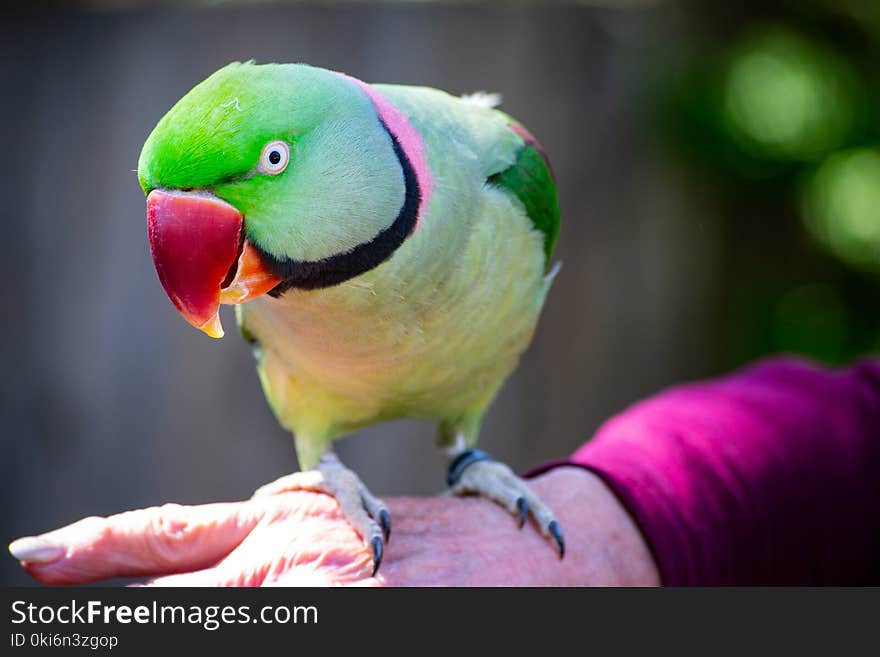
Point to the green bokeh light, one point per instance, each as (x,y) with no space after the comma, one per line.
(842,206)
(787,98)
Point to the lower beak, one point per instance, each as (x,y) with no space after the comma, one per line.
(201,256)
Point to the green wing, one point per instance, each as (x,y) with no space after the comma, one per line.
(531,181)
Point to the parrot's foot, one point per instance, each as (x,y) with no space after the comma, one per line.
(472,472)
(366,513)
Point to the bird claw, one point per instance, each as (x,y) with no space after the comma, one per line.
(366,513)
(378,551)
(556,533)
(522,508)
(385,523)
(474,472)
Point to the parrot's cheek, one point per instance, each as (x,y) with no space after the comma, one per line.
(200,255)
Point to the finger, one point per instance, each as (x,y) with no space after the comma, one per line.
(154,541)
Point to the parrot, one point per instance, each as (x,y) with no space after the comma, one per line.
(387,249)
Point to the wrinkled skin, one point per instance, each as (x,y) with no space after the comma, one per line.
(300,538)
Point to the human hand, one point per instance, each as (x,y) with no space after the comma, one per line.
(300,538)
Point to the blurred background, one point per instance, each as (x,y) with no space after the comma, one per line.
(719,179)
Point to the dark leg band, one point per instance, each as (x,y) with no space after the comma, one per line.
(461,462)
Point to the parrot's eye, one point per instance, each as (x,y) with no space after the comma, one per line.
(274,158)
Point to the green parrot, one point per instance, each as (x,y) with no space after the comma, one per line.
(387,249)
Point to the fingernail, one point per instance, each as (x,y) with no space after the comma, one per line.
(35,550)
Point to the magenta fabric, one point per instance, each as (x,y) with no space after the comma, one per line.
(768,476)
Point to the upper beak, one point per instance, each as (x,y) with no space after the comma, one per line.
(201,256)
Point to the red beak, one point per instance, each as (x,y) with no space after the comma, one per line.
(196,241)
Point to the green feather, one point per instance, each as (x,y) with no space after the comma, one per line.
(531,181)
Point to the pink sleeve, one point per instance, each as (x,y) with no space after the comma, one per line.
(768,476)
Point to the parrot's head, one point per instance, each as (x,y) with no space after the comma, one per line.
(268,177)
